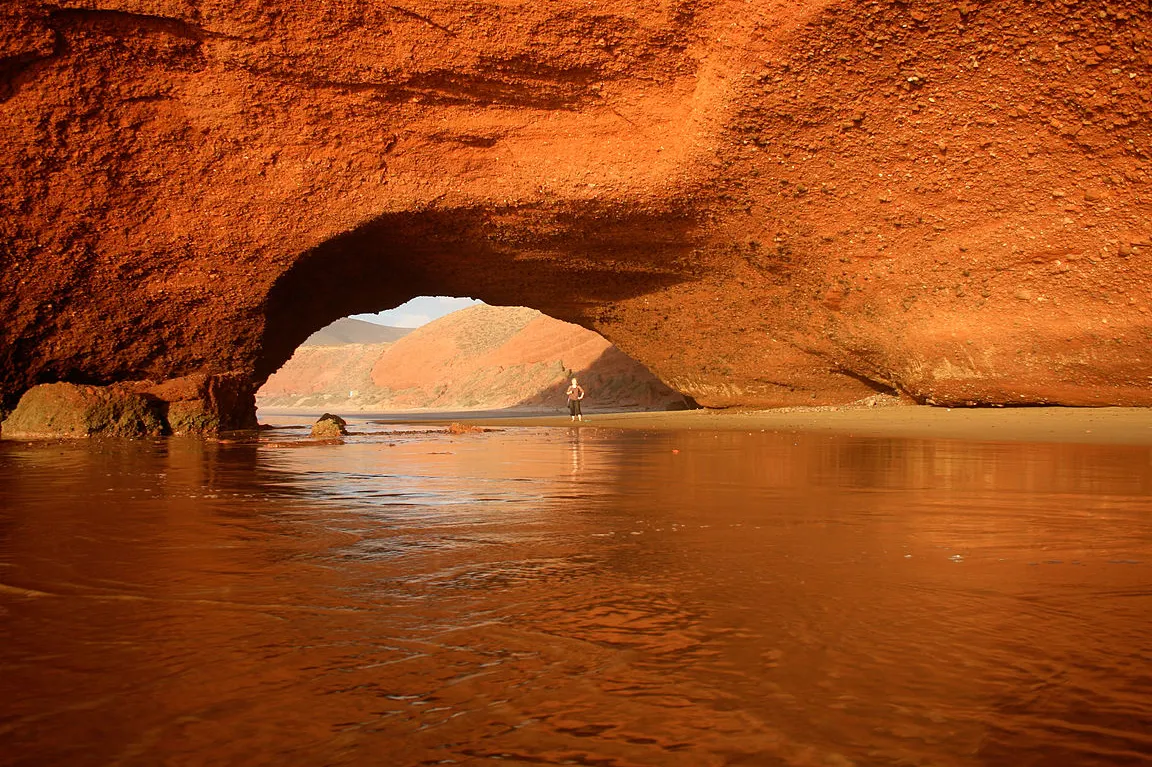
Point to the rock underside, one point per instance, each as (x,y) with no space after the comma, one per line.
(768,203)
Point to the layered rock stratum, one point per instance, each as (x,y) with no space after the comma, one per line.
(766,203)
(479,358)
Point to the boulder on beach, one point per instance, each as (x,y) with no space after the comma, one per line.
(329,426)
(75,410)
(196,404)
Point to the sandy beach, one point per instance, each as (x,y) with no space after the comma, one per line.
(1126,426)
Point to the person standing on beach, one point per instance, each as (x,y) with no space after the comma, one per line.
(575,394)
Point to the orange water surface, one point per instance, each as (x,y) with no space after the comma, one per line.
(539,596)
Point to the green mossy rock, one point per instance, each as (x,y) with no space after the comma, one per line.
(329,426)
(74,410)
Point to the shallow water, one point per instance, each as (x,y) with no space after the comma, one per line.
(589,597)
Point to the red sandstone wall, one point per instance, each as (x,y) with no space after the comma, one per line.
(766,203)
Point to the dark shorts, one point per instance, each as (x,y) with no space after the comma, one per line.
(574,407)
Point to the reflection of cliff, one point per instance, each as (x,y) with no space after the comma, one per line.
(483,357)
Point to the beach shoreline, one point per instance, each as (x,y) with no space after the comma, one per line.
(1110,425)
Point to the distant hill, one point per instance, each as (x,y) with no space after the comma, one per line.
(487,357)
(350,331)
(317,375)
(479,358)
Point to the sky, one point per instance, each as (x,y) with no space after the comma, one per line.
(419,311)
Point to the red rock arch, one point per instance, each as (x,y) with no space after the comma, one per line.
(573,263)
(767,203)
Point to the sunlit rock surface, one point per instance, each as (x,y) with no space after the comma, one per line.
(766,203)
(329,426)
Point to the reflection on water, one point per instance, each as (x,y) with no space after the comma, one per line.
(591,597)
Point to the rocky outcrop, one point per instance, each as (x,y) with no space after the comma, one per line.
(766,203)
(329,426)
(70,410)
(206,404)
(197,404)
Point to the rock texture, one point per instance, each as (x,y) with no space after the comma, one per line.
(198,404)
(205,404)
(766,203)
(69,410)
(480,358)
(329,426)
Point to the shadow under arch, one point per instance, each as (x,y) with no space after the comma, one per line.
(614,381)
(570,261)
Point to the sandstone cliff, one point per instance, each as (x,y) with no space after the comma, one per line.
(766,203)
(483,357)
(324,377)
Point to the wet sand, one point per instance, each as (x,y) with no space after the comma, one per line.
(1119,426)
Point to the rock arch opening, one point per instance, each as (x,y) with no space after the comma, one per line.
(462,355)
(572,264)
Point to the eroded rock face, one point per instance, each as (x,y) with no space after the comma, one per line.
(198,404)
(206,404)
(765,203)
(71,410)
